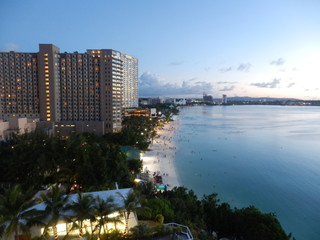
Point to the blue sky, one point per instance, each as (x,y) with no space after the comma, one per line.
(185,47)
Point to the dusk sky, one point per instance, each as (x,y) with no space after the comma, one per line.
(185,47)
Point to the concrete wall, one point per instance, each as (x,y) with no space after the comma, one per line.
(16,125)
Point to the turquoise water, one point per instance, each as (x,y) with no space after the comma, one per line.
(266,156)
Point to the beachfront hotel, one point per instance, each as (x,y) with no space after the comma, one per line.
(68,92)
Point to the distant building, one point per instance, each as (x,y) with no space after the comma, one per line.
(180,101)
(224,99)
(150,101)
(207,98)
(129,112)
(16,125)
(130,81)
(68,87)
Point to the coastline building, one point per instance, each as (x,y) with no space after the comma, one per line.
(88,89)
(207,98)
(130,81)
(224,99)
(16,125)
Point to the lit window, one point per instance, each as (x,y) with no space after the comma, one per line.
(46,67)
(47,83)
(48,115)
(46,59)
(48,107)
(46,54)
(48,119)
(46,71)
(47,91)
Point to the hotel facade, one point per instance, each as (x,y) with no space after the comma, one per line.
(84,91)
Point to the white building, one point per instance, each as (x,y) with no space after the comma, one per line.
(16,125)
(65,227)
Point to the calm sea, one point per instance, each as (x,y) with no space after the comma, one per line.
(266,156)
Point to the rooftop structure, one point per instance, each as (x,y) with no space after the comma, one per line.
(64,226)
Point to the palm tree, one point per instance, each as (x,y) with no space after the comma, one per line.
(55,201)
(102,209)
(83,210)
(131,204)
(13,212)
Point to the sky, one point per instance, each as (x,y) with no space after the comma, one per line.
(185,47)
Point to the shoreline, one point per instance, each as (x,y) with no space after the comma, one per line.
(160,157)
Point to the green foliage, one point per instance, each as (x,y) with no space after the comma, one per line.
(83,209)
(185,205)
(35,159)
(248,223)
(13,212)
(141,231)
(136,131)
(101,210)
(135,165)
(161,206)
(113,235)
(159,218)
(253,224)
(160,230)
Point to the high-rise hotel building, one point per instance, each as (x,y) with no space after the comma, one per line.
(68,88)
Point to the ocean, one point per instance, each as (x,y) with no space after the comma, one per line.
(266,156)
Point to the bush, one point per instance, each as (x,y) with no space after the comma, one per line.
(141,231)
(159,218)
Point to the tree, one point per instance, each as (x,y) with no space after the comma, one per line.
(14,215)
(102,209)
(131,203)
(209,205)
(185,205)
(83,209)
(55,201)
(161,206)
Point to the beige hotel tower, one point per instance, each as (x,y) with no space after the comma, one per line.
(73,92)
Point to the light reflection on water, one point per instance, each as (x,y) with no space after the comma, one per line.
(267,156)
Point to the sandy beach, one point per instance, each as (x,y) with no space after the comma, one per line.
(161,155)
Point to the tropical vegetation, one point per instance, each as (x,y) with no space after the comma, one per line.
(86,162)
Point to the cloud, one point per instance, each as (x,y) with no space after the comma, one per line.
(177,63)
(226,82)
(272,84)
(277,62)
(227,69)
(309,90)
(244,67)
(10,47)
(152,85)
(291,85)
(192,79)
(295,69)
(226,89)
